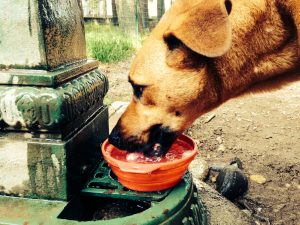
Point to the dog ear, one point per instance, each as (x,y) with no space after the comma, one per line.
(205,29)
(293,7)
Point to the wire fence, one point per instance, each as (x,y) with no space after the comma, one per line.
(132,16)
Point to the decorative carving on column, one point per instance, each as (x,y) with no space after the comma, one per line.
(47,108)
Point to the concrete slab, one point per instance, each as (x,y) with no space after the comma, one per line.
(116,109)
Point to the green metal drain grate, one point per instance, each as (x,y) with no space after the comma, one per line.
(104,183)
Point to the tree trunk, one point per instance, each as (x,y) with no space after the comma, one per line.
(126,15)
(160,9)
(115,14)
(143,15)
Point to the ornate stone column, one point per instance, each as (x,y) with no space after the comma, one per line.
(52,117)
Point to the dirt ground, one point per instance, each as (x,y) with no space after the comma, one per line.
(262,130)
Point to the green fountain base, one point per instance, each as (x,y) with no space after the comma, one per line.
(180,206)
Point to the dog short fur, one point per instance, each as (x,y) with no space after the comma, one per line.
(202,53)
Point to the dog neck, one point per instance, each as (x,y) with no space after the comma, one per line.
(267,50)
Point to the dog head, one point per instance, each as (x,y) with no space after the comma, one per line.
(173,77)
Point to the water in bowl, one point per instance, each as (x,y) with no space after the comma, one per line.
(177,151)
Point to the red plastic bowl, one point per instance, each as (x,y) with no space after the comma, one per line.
(151,176)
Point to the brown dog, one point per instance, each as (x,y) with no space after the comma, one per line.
(202,53)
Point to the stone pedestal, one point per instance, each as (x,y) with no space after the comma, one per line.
(41,34)
(52,117)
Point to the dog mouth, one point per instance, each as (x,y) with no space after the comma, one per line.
(159,142)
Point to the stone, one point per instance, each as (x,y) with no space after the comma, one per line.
(213,179)
(199,168)
(259,209)
(52,116)
(52,34)
(247,212)
(221,148)
(259,179)
(51,109)
(197,142)
(219,140)
(218,131)
(278,208)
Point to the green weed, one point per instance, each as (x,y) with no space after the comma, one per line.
(108,43)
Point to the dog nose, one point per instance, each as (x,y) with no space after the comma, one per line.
(115,137)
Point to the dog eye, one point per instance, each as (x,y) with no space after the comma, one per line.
(138,90)
(172,42)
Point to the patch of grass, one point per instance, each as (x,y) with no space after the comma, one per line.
(108,43)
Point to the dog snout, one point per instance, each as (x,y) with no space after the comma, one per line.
(158,142)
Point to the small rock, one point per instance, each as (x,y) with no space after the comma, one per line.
(295,184)
(221,148)
(247,212)
(277,208)
(219,140)
(258,179)
(218,131)
(199,168)
(213,179)
(259,209)
(287,185)
(217,166)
